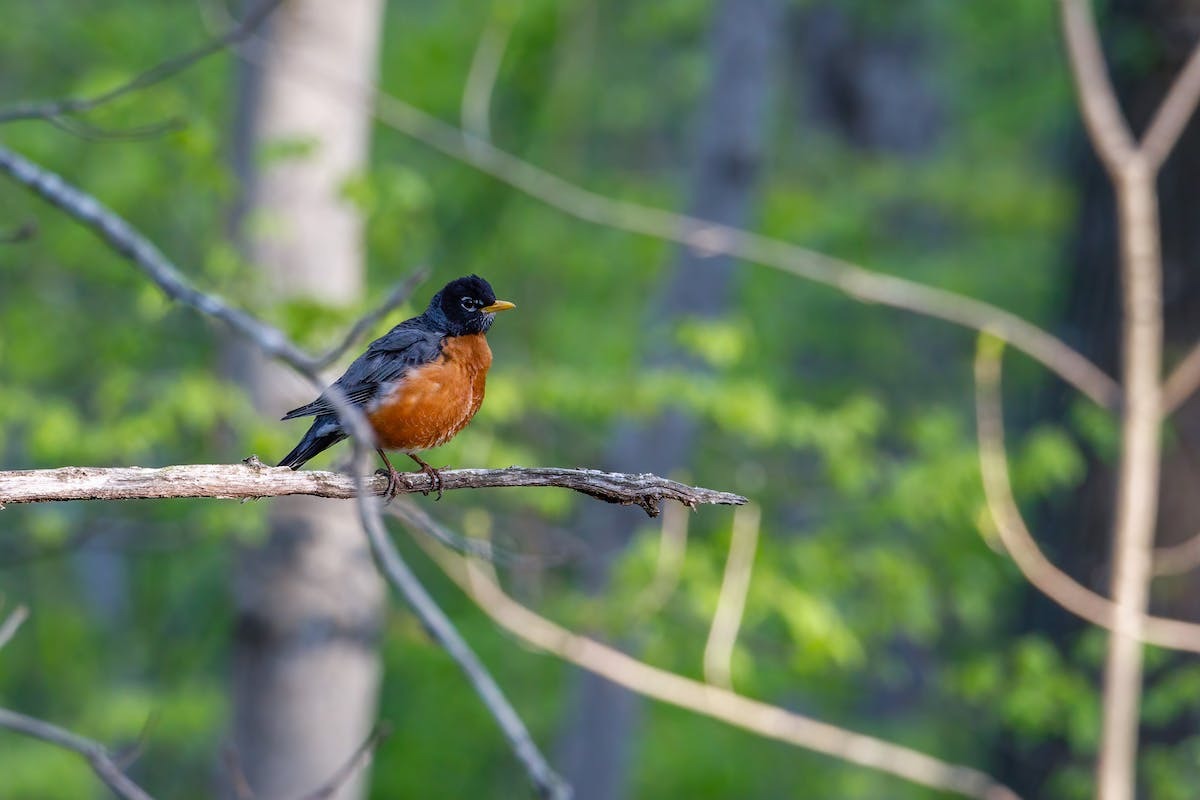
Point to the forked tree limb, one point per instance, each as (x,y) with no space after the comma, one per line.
(129,243)
(1098,105)
(1133,168)
(122,237)
(55,109)
(255,480)
(97,755)
(1017,539)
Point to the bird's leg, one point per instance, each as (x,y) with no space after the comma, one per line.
(435,475)
(393,487)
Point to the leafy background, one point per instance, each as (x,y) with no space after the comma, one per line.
(880,598)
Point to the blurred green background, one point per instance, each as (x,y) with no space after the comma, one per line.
(880,599)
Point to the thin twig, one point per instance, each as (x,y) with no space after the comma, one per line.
(122,237)
(1102,116)
(238,782)
(743,712)
(95,133)
(731,601)
(485,66)
(1177,559)
(1174,112)
(399,294)
(357,761)
(52,109)
(128,242)
(125,240)
(1114,142)
(391,564)
(1182,382)
(545,780)
(254,480)
(95,753)
(13,623)
(1133,170)
(853,280)
(1019,542)
(672,548)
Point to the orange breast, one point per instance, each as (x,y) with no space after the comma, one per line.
(435,401)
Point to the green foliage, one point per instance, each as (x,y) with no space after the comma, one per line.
(879,600)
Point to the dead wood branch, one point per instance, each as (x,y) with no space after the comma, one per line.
(96,754)
(255,480)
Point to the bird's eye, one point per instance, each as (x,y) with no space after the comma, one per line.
(470,303)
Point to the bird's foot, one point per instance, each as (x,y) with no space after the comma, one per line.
(434,473)
(435,480)
(393,484)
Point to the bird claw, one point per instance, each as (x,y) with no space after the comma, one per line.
(435,480)
(393,484)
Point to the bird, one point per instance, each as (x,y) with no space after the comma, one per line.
(418,385)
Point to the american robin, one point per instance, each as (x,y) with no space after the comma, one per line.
(418,385)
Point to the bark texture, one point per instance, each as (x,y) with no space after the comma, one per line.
(254,480)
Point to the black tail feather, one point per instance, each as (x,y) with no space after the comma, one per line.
(318,438)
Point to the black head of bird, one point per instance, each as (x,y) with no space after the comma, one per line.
(465,306)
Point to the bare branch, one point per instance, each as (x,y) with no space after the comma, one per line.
(255,480)
(94,133)
(96,754)
(1182,382)
(102,762)
(758,717)
(1177,559)
(128,242)
(121,237)
(1044,575)
(400,293)
(393,566)
(172,66)
(1102,116)
(1174,112)
(239,784)
(12,624)
(1133,170)
(672,547)
(859,283)
(731,601)
(357,761)
(485,66)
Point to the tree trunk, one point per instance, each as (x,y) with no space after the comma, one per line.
(594,750)
(309,602)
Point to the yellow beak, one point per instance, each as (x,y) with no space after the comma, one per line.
(499,305)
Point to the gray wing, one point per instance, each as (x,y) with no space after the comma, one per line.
(387,359)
